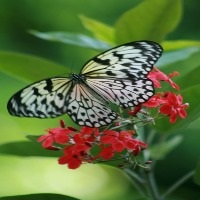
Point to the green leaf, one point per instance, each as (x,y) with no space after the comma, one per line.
(193,81)
(28,68)
(160,151)
(43,175)
(184,61)
(38,196)
(192,96)
(175,56)
(71,38)
(179,44)
(197,174)
(101,31)
(150,20)
(27,149)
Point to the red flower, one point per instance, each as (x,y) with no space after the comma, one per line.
(58,135)
(156,76)
(74,163)
(155,101)
(70,158)
(174,107)
(112,138)
(132,144)
(74,155)
(86,135)
(107,153)
(89,131)
(78,149)
(119,141)
(136,145)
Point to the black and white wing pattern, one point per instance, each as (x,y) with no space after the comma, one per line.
(88,109)
(43,99)
(125,93)
(53,97)
(118,75)
(132,60)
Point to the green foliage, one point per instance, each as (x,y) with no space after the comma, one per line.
(142,20)
(150,20)
(197,174)
(179,44)
(101,31)
(71,38)
(38,196)
(168,59)
(160,151)
(27,67)
(32,149)
(33,175)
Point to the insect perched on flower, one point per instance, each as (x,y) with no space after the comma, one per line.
(117,76)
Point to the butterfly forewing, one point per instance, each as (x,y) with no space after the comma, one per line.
(131,60)
(86,109)
(46,98)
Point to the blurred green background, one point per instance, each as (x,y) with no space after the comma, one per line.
(28,174)
(17,17)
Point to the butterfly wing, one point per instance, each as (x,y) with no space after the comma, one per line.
(132,60)
(87,108)
(120,74)
(117,75)
(45,98)
(56,96)
(125,93)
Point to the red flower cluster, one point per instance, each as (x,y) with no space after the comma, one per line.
(113,141)
(168,103)
(77,145)
(173,106)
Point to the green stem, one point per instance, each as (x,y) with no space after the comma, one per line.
(178,183)
(137,181)
(150,137)
(152,186)
(134,175)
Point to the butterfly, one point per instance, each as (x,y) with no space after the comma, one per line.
(118,76)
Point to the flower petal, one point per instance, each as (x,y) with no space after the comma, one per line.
(166,109)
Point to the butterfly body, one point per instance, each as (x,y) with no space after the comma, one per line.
(77,78)
(118,75)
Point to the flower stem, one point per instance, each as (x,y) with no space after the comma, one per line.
(152,186)
(134,175)
(178,183)
(137,181)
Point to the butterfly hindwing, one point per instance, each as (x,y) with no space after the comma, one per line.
(45,98)
(125,93)
(87,108)
(131,60)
